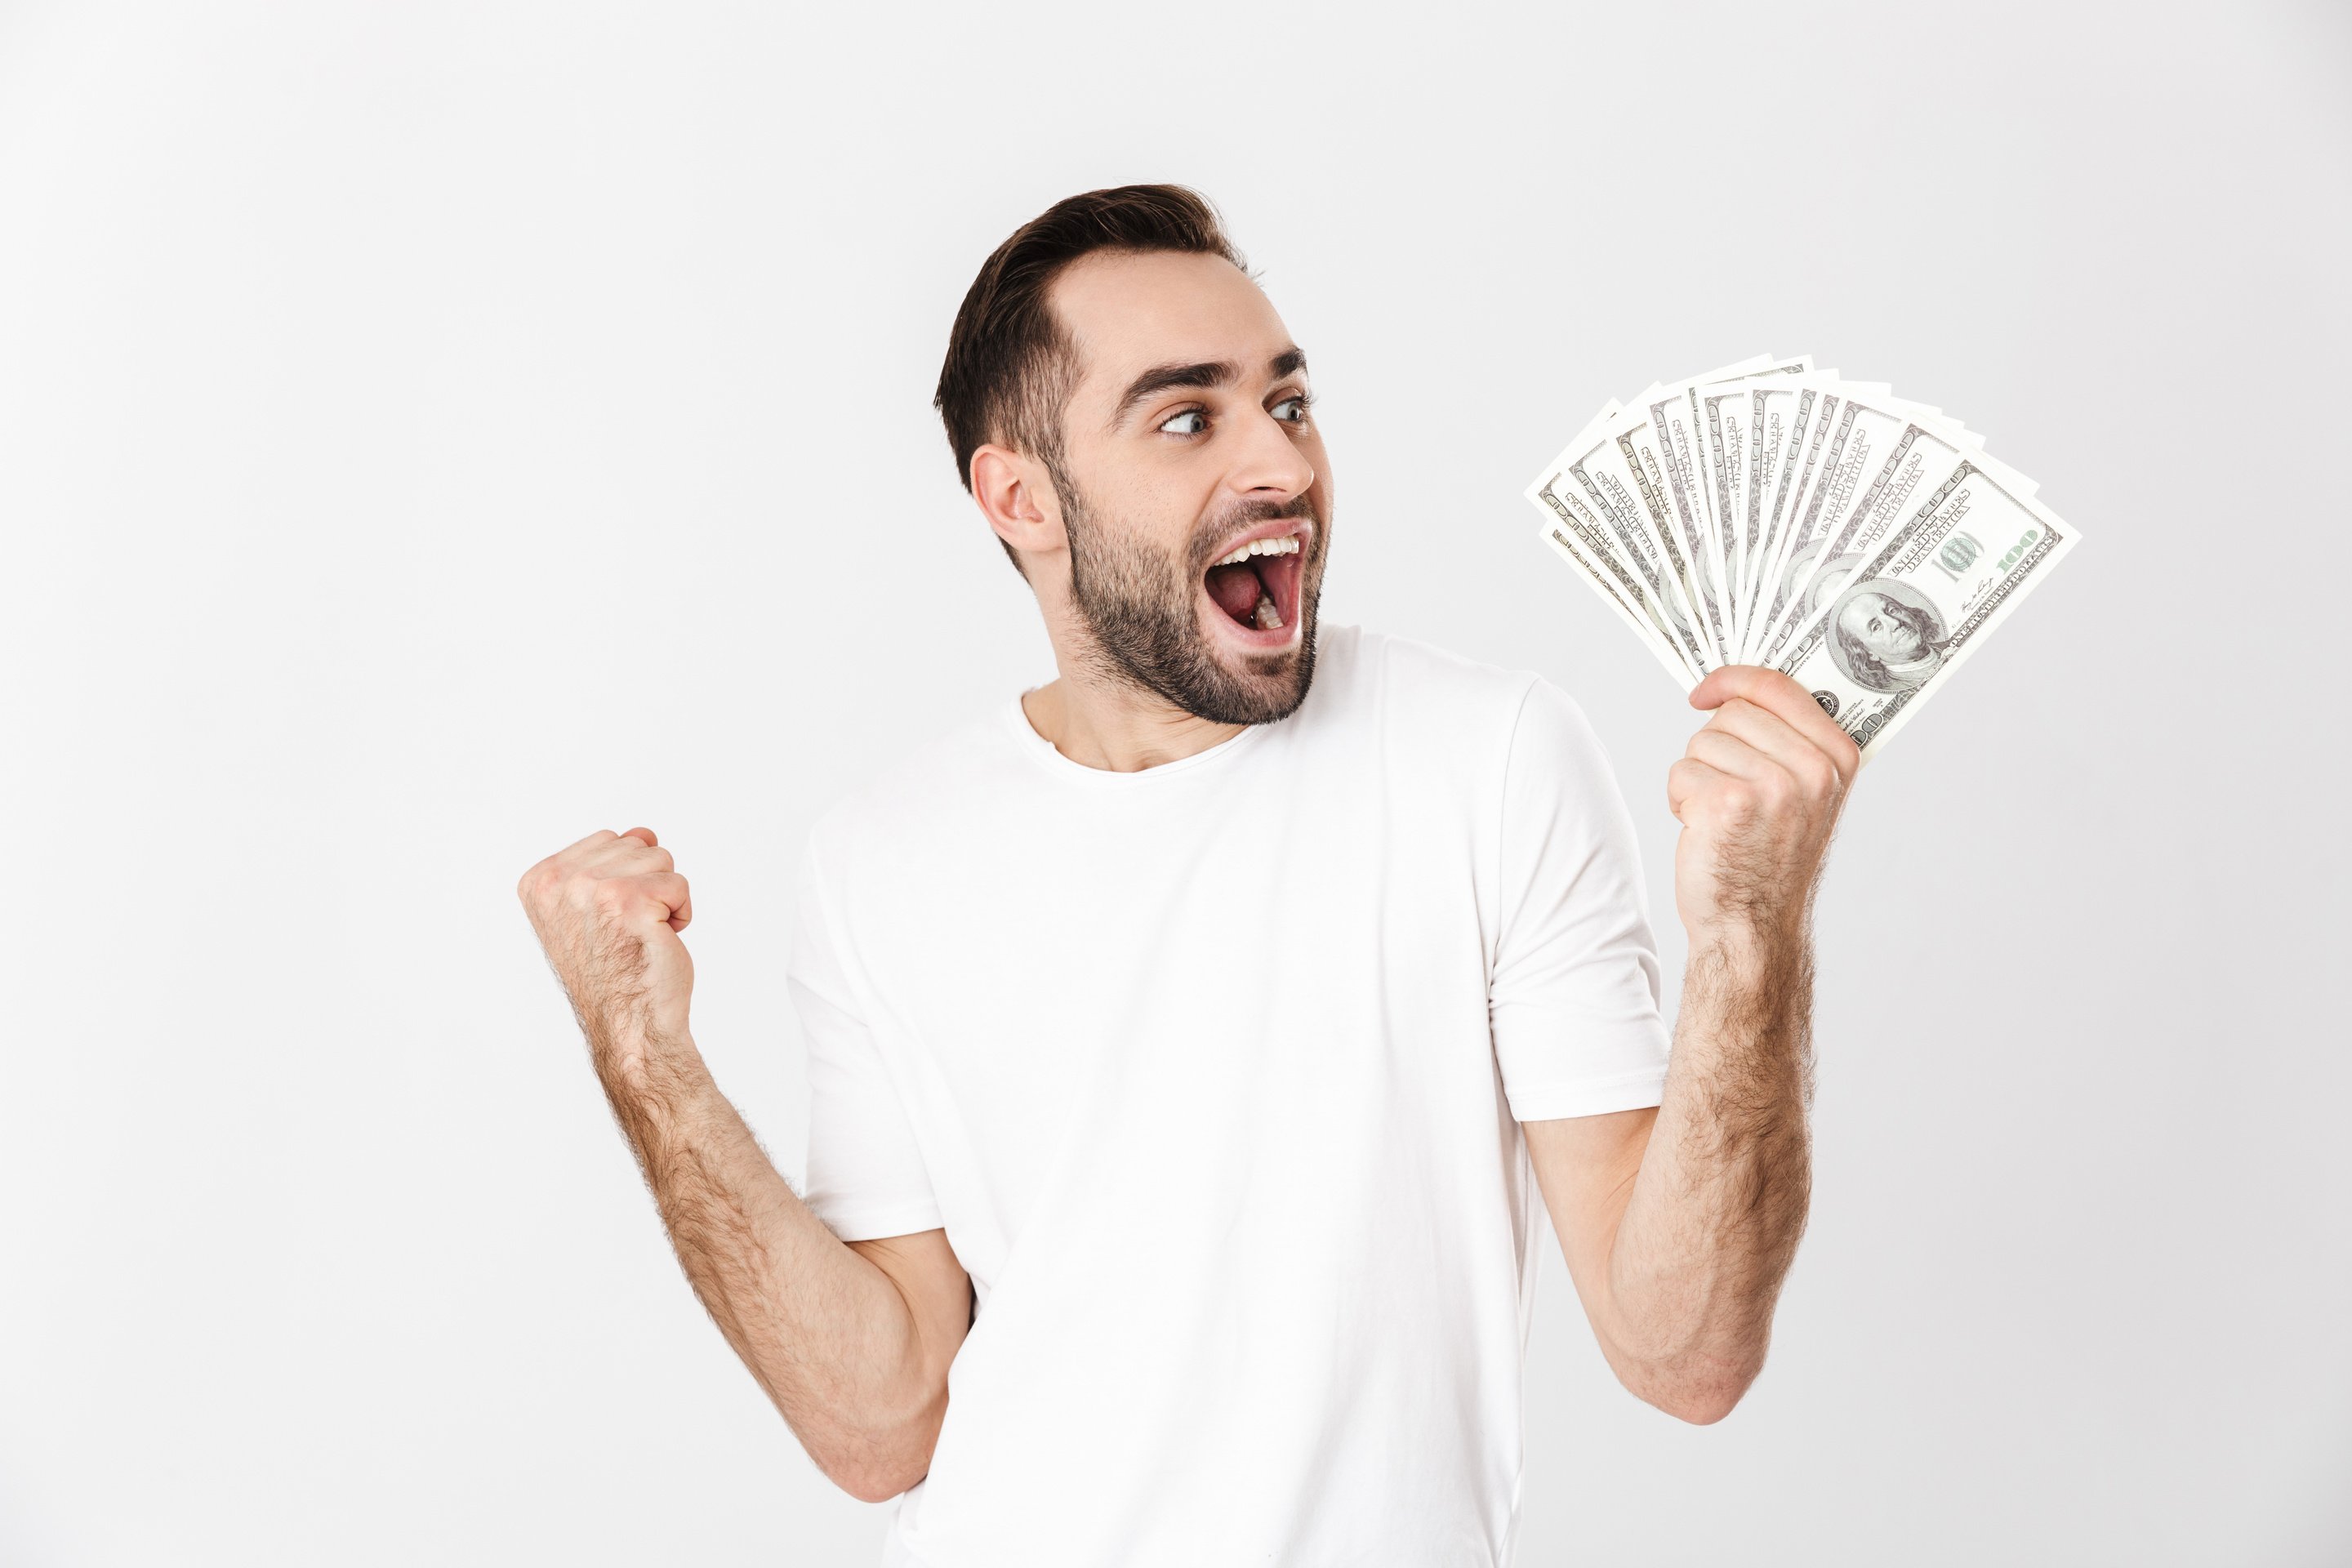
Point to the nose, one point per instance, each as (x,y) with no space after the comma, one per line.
(1267,463)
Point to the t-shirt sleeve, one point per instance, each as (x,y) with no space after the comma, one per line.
(1574,998)
(865,1173)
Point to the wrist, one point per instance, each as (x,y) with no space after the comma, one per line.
(1748,948)
(641,1061)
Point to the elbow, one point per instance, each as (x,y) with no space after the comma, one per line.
(1703,1409)
(1701,1391)
(879,1478)
(871,1489)
(881,1464)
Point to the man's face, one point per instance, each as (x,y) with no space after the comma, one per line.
(1187,442)
(1870,620)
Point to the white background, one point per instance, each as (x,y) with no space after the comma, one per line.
(430,433)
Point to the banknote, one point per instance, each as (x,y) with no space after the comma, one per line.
(1772,512)
(1779,411)
(1654,442)
(1923,601)
(1913,449)
(1585,540)
(1879,457)
(1778,524)
(1622,594)
(1811,453)
(1719,418)
(1595,470)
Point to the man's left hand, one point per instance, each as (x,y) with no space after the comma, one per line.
(1757,793)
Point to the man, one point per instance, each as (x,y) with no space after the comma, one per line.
(1190,1037)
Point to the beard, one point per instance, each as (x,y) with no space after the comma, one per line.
(1140,607)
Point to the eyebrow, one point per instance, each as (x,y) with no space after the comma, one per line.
(1161,378)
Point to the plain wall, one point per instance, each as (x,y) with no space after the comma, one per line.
(430,433)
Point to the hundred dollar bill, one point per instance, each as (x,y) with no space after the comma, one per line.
(1630,537)
(1914,451)
(1584,540)
(1594,469)
(1657,445)
(1617,586)
(1801,463)
(1781,412)
(1778,412)
(1724,437)
(1923,601)
(1721,414)
(1878,457)
(1785,416)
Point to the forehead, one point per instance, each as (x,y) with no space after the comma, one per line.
(1127,312)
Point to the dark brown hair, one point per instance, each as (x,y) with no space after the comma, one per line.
(1009,367)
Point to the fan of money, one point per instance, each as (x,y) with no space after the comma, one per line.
(1771,513)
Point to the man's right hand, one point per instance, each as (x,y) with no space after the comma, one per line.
(608,911)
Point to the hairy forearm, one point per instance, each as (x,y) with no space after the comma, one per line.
(825,1333)
(1712,1221)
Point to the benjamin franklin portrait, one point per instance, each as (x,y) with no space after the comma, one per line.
(1885,635)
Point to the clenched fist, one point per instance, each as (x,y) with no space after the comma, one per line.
(608,911)
(1758,792)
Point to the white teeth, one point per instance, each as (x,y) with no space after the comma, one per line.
(1285,545)
(1269,619)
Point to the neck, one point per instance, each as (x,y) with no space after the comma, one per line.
(1100,722)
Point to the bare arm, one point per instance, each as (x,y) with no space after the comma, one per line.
(1679,1223)
(851,1342)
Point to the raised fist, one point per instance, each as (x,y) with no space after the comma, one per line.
(608,911)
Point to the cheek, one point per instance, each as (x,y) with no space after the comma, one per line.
(1164,517)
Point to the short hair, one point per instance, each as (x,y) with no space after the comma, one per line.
(1010,367)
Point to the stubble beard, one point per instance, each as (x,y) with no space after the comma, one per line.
(1140,609)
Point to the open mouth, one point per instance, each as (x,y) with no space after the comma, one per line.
(1256,589)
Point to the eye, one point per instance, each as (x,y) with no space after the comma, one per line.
(1198,416)
(1297,403)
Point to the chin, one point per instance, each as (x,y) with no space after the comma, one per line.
(1264,678)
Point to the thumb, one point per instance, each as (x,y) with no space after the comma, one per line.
(670,902)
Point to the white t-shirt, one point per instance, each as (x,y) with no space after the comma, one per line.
(1213,1072)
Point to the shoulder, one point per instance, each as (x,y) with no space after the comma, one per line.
(922,792)
(1494,721)
(1426,685)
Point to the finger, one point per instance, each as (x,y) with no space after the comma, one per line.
(623,855)
(1771,691)
(1687,778)
(666,889)
(645,832)
(1779,695)
(1732,757)
(558,868)
(580,846)
(1776,738)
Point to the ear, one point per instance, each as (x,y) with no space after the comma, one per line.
(1016,495)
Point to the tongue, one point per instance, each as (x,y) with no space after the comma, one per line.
(1235,589)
